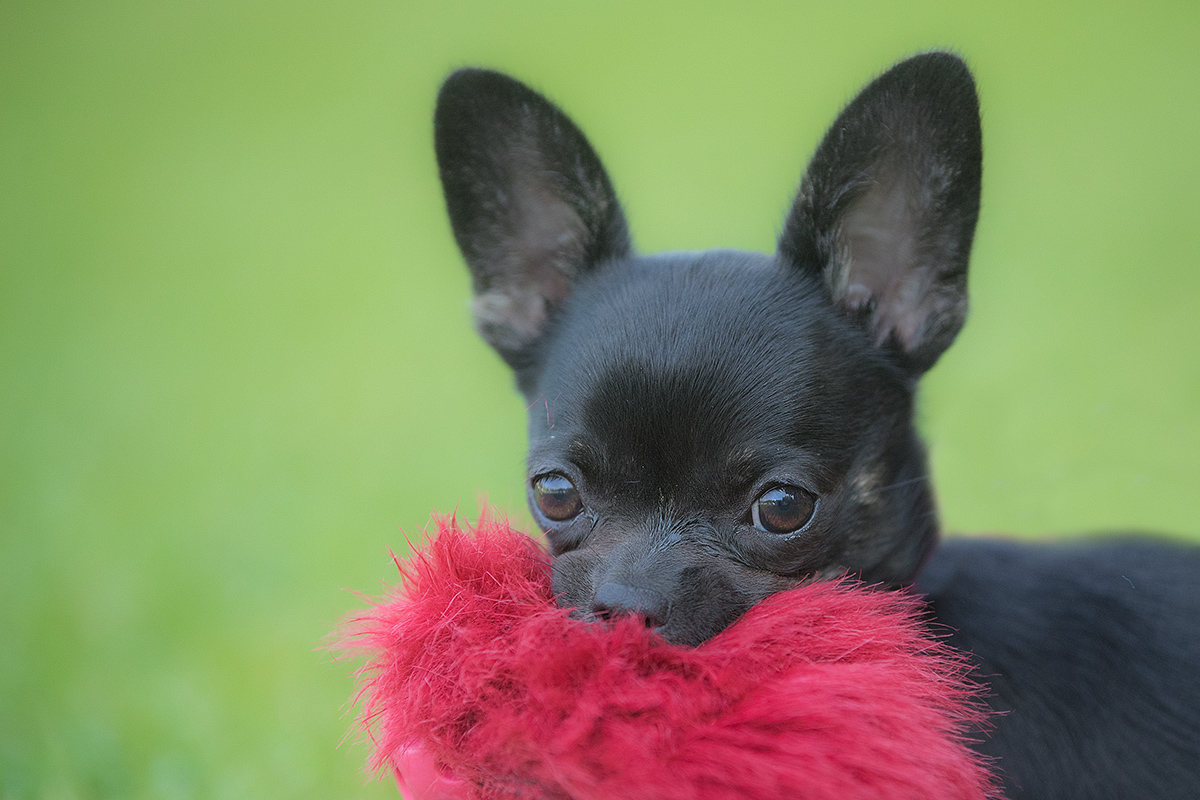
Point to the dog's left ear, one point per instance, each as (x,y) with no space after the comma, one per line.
(887,208)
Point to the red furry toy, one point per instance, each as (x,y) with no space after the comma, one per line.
(479,686)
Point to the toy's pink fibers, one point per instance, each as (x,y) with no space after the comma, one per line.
(478,686)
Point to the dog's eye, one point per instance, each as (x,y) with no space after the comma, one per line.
(783,509)
(556,497)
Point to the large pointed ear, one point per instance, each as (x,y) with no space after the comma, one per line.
(531,206)
(887,209)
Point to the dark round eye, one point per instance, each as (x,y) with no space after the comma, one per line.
(783,509)
(556,497)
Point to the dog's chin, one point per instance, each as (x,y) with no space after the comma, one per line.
(705,602)
(689,632)
(695,632)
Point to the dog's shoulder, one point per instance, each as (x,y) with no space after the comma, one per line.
(1091,654)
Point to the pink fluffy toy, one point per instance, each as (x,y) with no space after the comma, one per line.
(478,686)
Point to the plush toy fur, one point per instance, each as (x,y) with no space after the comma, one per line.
(479,686)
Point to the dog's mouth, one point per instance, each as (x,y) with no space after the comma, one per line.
(613,602)
(691,623)
(605,618)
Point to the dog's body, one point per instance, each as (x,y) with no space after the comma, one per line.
(1091,653)
(709,428)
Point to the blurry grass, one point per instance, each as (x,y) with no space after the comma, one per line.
(236,365)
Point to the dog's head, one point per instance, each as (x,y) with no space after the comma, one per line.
(709,428)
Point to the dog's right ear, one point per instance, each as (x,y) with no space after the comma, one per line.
(531,206)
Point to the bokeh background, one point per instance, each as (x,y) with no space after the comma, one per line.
(237,368)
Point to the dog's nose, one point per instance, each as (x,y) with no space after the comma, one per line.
(618,600)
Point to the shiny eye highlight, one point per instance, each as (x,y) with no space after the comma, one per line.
(783,509)
(556,497)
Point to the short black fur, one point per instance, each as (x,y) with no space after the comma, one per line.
(709,428)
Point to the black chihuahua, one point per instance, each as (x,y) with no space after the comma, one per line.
(709,428)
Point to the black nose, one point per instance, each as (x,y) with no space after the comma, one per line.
(617,600)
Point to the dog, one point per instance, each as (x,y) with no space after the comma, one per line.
(709,428)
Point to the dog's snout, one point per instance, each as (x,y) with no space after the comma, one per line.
(617,600)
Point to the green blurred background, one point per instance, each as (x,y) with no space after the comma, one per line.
(236,364)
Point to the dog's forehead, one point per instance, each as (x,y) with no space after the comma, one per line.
(720,362)
(683,311)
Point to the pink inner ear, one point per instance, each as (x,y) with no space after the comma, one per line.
(879,233)
(887,266)
(419,778)
(534,267)
(550,237)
